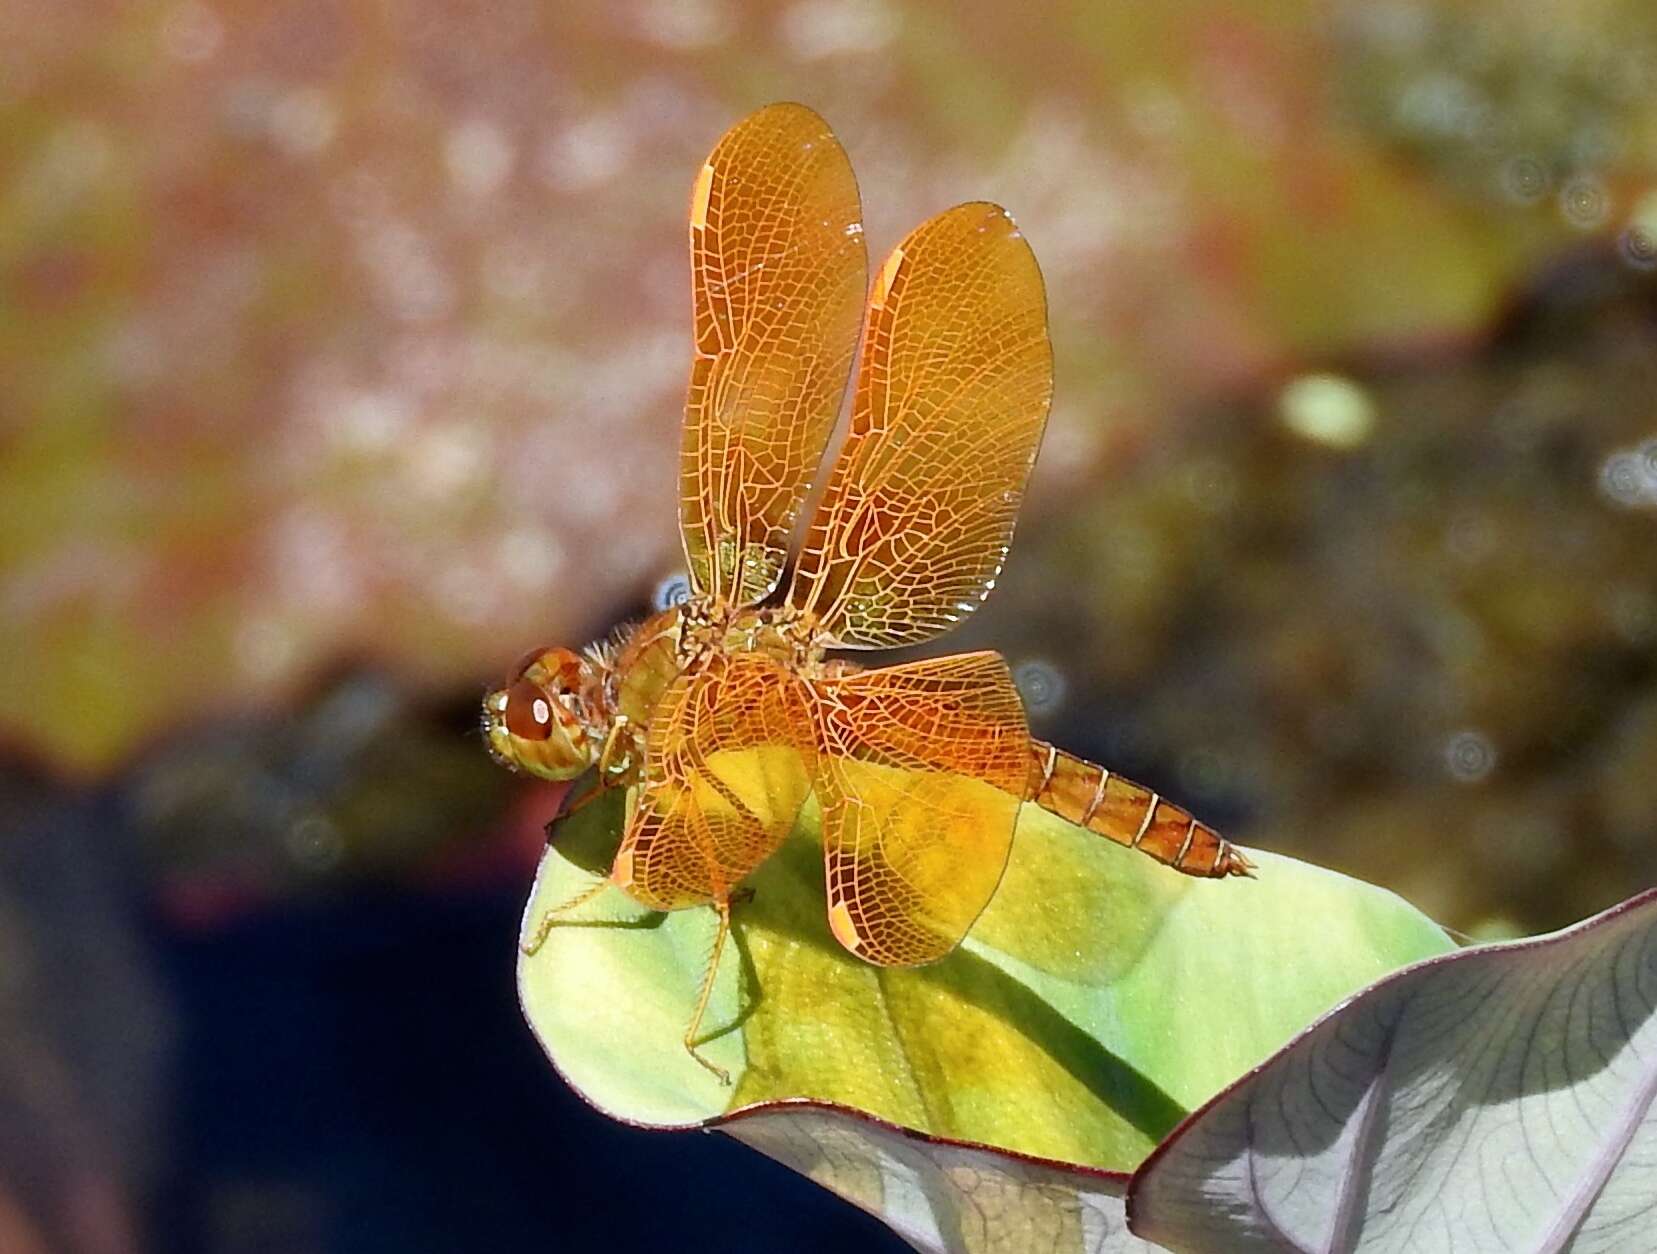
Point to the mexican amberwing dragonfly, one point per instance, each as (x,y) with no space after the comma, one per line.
(724,710)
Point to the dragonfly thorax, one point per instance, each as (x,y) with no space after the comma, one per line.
(781,632)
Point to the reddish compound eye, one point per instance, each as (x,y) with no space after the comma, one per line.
(523,664)
(528,712)
(558,667)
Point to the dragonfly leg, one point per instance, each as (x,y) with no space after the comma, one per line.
(550,919)
(579,802)
(615,756)
(723,910)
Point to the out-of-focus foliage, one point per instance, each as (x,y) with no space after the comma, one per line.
(87,1030)
(1430,658)
(358,785)
(358,790)
(1514,103)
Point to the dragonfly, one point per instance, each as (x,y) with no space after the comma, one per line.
(726,711)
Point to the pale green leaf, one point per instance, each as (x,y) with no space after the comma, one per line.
(1100,997)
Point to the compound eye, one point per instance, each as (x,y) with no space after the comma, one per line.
(528,712)
(522,665)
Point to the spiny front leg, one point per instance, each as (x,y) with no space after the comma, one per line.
(550,919)
(723,909)
(618,757)
(577,799)
(1129,814)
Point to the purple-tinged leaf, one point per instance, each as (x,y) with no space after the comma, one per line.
(943,1196)
(1499,1098)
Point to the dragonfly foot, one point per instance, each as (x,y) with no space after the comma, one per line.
(550,919)
(723,1075)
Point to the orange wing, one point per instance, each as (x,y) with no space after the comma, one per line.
(724,781)
(951,399)
(920,772)
(778,267)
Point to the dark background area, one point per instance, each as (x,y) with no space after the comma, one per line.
(342,348)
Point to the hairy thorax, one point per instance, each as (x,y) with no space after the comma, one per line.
(646,659)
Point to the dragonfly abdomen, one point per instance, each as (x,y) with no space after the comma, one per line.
(1130,814)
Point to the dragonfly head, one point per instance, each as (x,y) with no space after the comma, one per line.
(536,722)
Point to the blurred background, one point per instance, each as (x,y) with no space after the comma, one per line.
(342,346)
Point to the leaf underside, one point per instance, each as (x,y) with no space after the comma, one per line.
(1500,1098)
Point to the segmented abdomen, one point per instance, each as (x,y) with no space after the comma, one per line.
(1130,814)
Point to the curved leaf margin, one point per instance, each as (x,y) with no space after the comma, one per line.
(940,1195)
(1518,1078)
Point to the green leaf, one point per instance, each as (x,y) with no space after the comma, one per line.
(1099,998)
(1500,1098)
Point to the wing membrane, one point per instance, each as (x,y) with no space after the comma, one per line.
(952,395)
(920,772)
(778,267)
(724,782)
